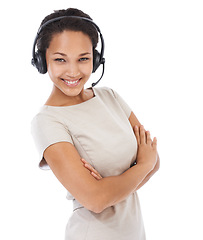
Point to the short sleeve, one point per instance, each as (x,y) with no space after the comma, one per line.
(123,104)
(46,130)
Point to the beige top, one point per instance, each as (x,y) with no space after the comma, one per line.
(101,132)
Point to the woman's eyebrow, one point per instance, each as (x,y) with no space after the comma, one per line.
(82,54)
(63,54)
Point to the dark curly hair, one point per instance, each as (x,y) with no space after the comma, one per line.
(73,24)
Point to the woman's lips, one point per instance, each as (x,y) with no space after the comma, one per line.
(71,83)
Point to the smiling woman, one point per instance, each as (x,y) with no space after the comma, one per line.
(69,63)
(90,138)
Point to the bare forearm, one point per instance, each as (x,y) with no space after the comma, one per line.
(149,175)
(113,190)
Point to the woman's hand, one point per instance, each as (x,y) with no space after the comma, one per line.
(147,149)
(93,171)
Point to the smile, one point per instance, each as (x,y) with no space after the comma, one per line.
(71,83)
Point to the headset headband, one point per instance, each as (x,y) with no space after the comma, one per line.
(59,18)
(39,60)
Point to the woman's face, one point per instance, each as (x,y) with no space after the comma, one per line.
(70,61)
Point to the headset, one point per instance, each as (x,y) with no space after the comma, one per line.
(39,58)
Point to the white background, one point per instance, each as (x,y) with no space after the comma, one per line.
(154,59)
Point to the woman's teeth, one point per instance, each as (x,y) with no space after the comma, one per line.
(71,83)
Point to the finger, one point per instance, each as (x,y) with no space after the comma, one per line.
(137,135)
(86,164)
(89,167)
(92,170)
(98,177)
(149,140)
(142,135)
(154,143)
(83,160)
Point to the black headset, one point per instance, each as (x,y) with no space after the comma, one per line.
(39,58)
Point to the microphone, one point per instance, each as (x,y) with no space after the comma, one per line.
(103,63)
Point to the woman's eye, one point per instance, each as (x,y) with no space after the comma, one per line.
(59,60)
(83,59)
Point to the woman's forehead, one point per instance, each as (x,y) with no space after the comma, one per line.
(68,40)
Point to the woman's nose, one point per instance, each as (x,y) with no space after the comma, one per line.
(72,70)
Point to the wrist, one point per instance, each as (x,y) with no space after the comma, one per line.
(146,166)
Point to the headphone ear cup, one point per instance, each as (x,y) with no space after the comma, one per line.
(96,60)
(40,62)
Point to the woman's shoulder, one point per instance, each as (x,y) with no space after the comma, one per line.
(108,94)
(105,91)
(44,116)
(112,97)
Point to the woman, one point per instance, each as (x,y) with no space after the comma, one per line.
(90,138)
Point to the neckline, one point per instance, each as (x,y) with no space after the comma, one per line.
(79,104)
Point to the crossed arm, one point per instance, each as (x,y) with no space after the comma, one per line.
(134,122)
(66,164)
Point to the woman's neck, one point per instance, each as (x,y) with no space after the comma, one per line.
(58,98)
